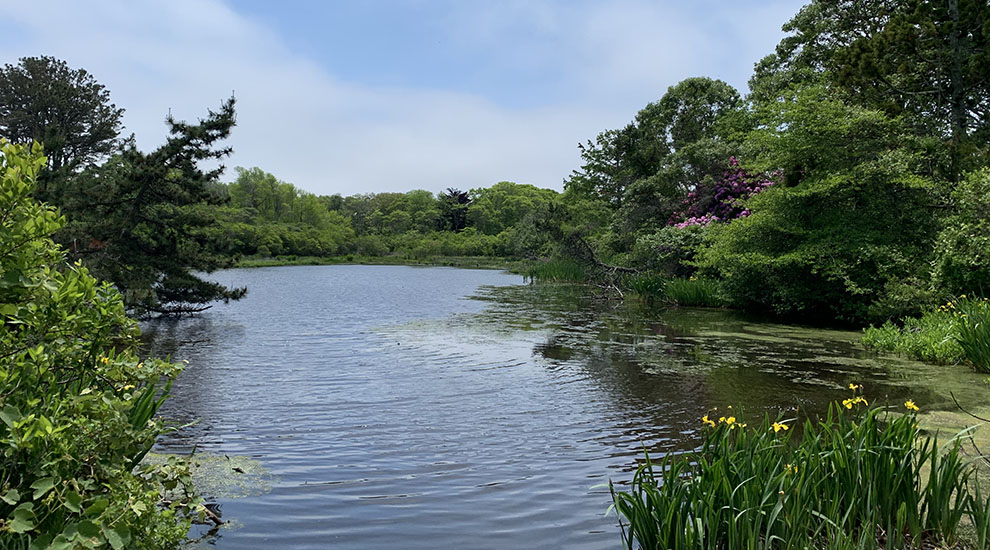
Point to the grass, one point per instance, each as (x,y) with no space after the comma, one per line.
(649,285)
(860,478)
(556,270)
(696,292)
(955,332)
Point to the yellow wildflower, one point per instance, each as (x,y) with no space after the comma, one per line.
(909,404)
(777,426)
(731,420)
(706,420)
(848,403)
(854,387)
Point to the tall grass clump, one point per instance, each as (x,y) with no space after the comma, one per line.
(952,333)
(650,285)
(556,270)
(696,292)
(859,478)
(973,332)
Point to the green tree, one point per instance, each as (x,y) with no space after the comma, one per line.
(962,252)
(454,205)
(147,222)
(505,204)
(848,235)
(43,100)
(926,60)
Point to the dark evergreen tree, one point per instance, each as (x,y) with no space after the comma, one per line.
(146,222)
(64,109)
(453,209)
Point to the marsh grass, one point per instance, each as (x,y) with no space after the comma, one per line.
(864,479)
(649,285)
(973,332)
(556,270)
(696,293)
(956,331)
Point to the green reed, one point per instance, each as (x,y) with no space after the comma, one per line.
(973,331)
(956,331)
(859,478)
(556,270)
(696,292)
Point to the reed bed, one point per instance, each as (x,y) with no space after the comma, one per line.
(859,478)
(954,332)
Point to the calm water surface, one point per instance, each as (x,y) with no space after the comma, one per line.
(401,407)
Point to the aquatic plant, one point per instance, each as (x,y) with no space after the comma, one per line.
(556,270)
(862,477)
(696,292)
(650,285)
(955,331)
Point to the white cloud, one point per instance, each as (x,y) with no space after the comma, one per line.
(325,135)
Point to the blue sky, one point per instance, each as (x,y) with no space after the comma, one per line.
(392,95)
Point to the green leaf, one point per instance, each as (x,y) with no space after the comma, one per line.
(118,537)
(97,507)
(73,502)
(40,543)
(88,529)
(11,497)
(42,486)
(9,415)
(23,518)
(61,542)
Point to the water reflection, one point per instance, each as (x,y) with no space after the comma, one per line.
(395,413)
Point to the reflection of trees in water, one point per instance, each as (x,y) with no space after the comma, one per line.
(193,404)
(665,369)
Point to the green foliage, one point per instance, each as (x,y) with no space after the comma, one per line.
(76,402)
(860,479)
(850,224)
(952,333)
(974,331)
(147,222)
(43,100)
(649,285)
(505,205)
(556,270)
(669,250)
(962,251)
(675,140)
(694,292)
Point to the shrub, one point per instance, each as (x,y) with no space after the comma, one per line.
(76,402)
(669,250)
(857,479)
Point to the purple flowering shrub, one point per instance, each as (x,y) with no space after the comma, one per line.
(723,200)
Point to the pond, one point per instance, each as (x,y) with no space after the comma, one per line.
(405,407)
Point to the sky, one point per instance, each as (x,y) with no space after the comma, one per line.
(392,95)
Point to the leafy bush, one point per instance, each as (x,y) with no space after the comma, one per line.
(669,250)
(828,249)
(76,402)
(857,479)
